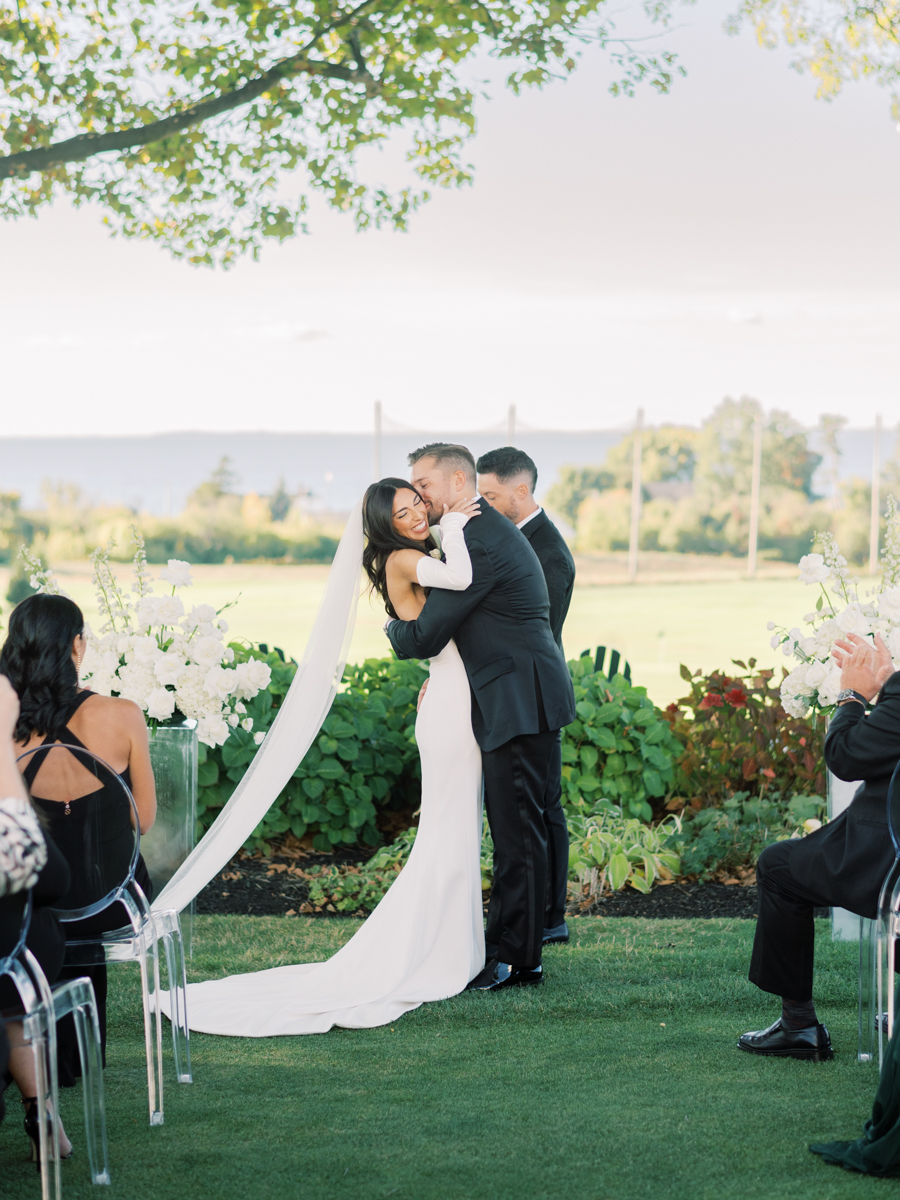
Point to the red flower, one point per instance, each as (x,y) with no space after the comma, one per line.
(737,697)
(711,700)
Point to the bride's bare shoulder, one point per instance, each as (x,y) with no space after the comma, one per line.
(402,563)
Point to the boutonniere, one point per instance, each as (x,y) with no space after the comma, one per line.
(434,553)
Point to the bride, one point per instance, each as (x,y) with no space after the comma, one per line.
(425,940)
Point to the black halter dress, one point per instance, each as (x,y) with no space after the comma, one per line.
(65,823)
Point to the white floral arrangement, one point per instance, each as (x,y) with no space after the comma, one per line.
(816,681)
(166,660)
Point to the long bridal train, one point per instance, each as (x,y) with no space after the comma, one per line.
(423,942)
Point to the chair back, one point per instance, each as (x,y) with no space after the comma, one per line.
(94,822)
(893,808)
(616,663)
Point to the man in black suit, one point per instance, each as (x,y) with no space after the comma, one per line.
(522,696)
(507,479)
(843,864)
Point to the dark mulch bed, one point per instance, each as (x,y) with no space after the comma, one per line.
(268,887)
(278,885)
(683,900)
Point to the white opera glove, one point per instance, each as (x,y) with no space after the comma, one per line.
(456,573)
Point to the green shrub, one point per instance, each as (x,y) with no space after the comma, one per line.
(728,840)
(363,759)
(620,747)
(738,738)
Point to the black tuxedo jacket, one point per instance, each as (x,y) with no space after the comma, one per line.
(519,679)
(852,854)
(558,567)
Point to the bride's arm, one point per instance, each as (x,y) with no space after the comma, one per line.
(456,573)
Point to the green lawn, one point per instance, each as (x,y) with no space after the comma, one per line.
(657,625)
(618,1079)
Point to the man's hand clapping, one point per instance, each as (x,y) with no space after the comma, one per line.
(864,668)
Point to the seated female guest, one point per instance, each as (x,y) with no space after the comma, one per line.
(42,656)
(843,864)
(27,860)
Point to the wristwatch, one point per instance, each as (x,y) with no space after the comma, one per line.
(850,694)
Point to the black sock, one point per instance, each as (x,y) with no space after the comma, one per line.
(797,1014)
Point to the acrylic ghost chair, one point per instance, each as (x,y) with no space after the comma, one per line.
(42,1007)
(877,947)
(103,856)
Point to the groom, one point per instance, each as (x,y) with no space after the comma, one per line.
(521,697)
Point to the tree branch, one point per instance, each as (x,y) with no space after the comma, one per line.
(86,145)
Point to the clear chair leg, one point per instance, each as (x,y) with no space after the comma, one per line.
(87,1029)
(152,1044)
(177,973)
(48,1142)
(868,993)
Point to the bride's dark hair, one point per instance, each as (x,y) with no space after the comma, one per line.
(37,660)
(382,539)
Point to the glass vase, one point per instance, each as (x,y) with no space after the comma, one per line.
(174,759)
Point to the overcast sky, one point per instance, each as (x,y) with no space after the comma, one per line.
(735,236)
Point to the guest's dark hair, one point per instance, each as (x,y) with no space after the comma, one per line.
(37,659)
(382,539)
(506,463)
(448,456)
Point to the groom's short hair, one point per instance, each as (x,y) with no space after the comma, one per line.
(448,456)
(506,463)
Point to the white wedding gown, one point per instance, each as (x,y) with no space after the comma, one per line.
(425,940)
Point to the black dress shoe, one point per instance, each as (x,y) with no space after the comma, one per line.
(812,1044)
(557,935)
(496,975)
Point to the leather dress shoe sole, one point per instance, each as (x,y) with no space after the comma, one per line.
(557,936)
(495,976)
(811,1045)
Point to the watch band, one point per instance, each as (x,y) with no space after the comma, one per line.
(850,694)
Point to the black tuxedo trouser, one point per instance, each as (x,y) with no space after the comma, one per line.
(782,959)
(517,782)
(557,843)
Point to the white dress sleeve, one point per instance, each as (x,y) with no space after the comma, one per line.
(456,573)
(23,851)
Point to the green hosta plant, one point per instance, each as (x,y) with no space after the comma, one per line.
(608,851)
(620,746)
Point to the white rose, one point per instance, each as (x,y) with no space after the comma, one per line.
(889,604)
(770,625)
(795,683)
(240,708)
(160,704)
(851,620)
(136,683)
(222,624)
(813,569)
(232,720)
(199,614)
(207,652)
(177,573)
(169,668)
(815,675)
(102,684)
(247,723)
(258,738)
(213,730)
(144,650)
(220,682)
(169,610)
(893,643)
(148,611)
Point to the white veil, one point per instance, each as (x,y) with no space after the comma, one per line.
(299,720)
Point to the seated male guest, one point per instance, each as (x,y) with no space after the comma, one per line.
(843,864)
(506,479)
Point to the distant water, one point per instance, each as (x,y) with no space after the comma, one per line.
(155,473)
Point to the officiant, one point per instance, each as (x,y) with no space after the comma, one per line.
(507,479)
